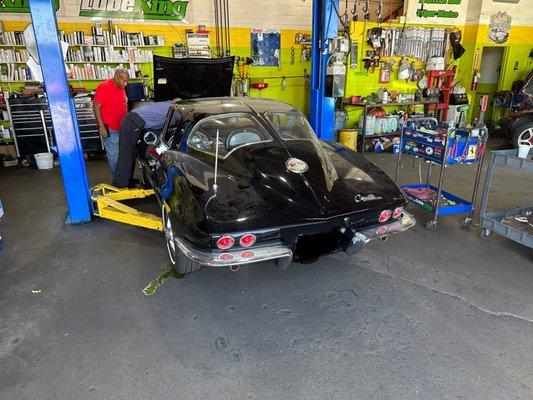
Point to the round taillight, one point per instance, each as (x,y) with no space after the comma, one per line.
(381,230)
(247,254)
(226,257)
(398,211)
(384,216)
(225,242)
(247,240)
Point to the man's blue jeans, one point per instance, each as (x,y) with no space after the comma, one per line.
(111,150)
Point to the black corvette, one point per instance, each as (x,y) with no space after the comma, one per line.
(243,180)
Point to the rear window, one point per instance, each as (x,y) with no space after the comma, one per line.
(234,131)
(291,125)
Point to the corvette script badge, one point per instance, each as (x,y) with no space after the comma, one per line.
(296,165)
(369,197)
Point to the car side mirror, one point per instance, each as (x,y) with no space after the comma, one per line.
(150,138)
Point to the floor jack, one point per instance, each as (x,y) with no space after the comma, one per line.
(107,204)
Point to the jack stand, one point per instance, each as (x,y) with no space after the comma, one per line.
(107,204)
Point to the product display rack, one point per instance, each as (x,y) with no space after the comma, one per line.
(85,62)
(446,147)
(75,80)
(90,57)
(362,136)
(114,45)
(493,221)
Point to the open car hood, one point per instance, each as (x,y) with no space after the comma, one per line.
(191,78)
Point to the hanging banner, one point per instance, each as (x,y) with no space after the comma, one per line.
(20,6)
(135,9)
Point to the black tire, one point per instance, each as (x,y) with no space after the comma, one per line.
(185,265)
(524,129)
(179,261)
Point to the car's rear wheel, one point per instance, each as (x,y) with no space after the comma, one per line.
(179,261)
(523,133)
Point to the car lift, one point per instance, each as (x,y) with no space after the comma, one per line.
(105,200)
(107,204)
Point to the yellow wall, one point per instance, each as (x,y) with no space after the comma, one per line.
(517,49)
(296,91)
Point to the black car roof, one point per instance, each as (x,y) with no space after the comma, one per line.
(197,109)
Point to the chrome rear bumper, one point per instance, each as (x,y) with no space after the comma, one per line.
(236,257)
(279,251)
(403,223)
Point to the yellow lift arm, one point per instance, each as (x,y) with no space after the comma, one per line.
(107,204)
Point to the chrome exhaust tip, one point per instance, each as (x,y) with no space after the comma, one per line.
(234,268)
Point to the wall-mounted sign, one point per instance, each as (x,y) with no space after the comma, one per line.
(20,6)
(422,12)
(499,26)
(135,9)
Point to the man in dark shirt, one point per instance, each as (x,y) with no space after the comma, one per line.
(150,116)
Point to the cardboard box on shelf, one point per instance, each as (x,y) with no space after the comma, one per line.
(9,149)
(30,91)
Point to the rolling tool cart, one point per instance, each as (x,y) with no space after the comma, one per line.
(515,224)
(445,147)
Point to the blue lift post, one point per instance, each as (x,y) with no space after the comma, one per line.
(63,112)
(322,108)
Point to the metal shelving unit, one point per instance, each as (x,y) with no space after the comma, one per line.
(519,231)
(116,45)
(108,62)
(362,137)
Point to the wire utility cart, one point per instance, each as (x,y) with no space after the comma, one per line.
(515,224)
(445,147)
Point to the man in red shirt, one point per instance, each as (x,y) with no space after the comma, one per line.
(110,105)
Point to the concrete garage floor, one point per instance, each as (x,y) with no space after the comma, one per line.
(427,315)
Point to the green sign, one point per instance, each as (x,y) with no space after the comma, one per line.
(440,1)
(20,6)
(134,9)
(436,13)
(423,13)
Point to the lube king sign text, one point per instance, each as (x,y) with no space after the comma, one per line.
(422,12)
(134,9)
(20,6)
